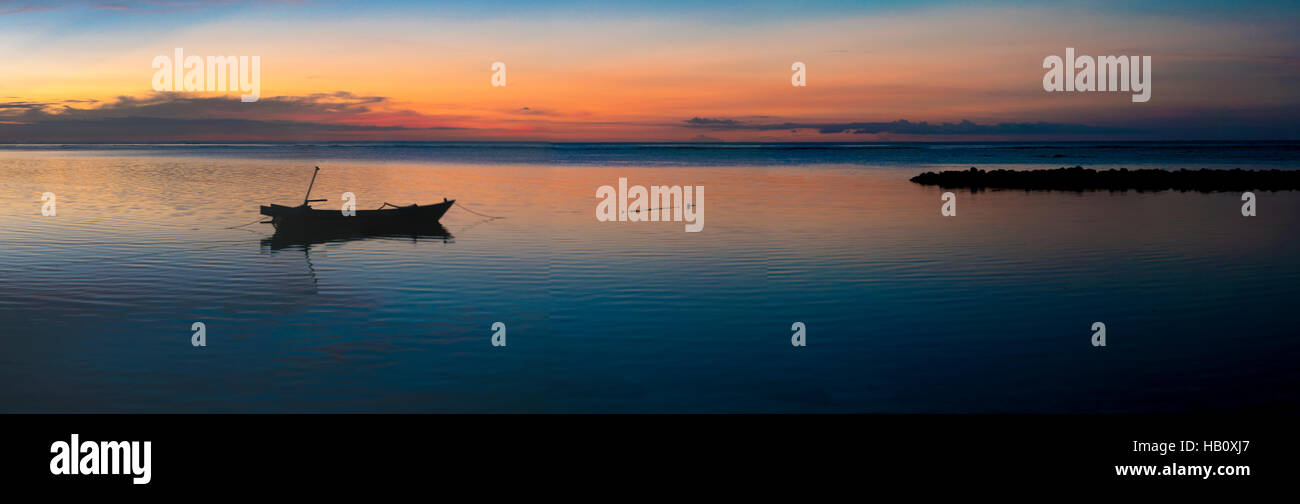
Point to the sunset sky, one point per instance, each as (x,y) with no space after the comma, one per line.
(646,71)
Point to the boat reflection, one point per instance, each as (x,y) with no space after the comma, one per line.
(305,237)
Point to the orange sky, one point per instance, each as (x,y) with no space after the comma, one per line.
(641,78)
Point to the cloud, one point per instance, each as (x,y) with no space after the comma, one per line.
(140,6)
(718,123)
(186,117)
(905,127)
(7,8)
(533,111)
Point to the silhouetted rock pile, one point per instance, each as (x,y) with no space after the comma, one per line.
(1123,179)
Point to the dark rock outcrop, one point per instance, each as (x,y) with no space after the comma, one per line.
(1123,179)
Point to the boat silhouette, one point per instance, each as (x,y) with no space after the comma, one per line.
(398,219)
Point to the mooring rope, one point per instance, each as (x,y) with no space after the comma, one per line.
(476,213)
(259,219)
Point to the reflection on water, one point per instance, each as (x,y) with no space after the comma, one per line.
(906,311)
(305,238)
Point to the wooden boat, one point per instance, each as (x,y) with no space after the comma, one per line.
(391,219)
(384,220)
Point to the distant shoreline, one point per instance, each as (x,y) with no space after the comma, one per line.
(1031,143)
(912,158)
(1079,179)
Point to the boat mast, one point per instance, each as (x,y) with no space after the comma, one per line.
(306,199)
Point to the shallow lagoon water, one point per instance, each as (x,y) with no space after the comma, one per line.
(906,311)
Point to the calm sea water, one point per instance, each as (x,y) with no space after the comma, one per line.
(906,311)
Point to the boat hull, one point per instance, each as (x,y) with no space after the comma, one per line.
(392,220)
